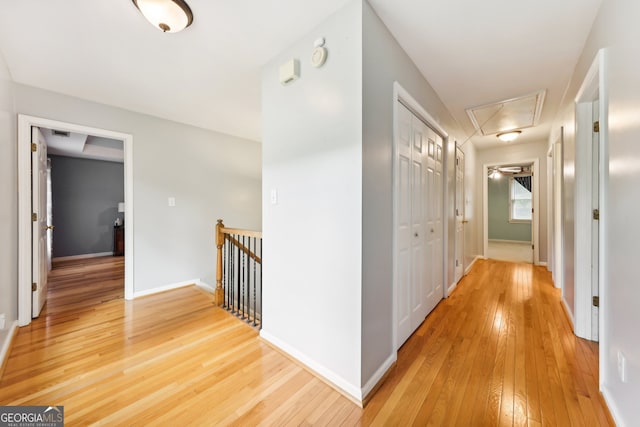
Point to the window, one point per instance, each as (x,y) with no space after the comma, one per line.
(520,204)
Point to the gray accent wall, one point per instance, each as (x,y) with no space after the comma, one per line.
(85,196)
(498,214)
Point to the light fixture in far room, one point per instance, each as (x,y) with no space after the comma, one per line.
(169,16)
(509,136)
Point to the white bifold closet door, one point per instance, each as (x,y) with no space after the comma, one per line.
(419,222)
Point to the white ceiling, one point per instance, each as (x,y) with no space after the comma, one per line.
(82,146)
(472,53)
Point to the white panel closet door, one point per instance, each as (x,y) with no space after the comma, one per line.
(418,222)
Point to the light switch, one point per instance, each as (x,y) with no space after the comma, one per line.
(274,196)
(172,201)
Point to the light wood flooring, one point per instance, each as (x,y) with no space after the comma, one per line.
(499,351)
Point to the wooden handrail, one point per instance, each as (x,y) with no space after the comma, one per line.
(244,249)
(221,235)
(240,232)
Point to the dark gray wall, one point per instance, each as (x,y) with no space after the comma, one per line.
(85,204)
(498,216)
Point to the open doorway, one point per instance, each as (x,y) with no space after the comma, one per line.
(517,209)
(35,223)
(510,213)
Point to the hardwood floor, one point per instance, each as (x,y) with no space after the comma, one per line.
(499,351)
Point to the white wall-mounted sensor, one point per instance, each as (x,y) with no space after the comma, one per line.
(289,71)
(319,56)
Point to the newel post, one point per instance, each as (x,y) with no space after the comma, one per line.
(218,296)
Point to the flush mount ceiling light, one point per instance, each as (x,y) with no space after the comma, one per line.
(509,136)
(169,16)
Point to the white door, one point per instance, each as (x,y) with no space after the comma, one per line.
(414,263)
(39,266)
(435,247)
(595,224)
(459,213)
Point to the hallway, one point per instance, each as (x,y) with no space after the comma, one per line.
(498,351)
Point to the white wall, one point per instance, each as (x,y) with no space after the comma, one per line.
(615,28)
(9,197)
(384,62)
(312,156)
(211,175)
(510,154)
(472,198)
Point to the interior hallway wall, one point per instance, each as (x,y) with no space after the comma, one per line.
(385,62)
(9,197)
(616,30)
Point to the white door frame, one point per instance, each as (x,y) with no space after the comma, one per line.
(399,93)
(557,213)
(593,87)
(25,123)
(535,221)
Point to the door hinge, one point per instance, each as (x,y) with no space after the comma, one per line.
(34,217)
(34,287)
(457,263)
(596,126)
(596,214)
(533,247)
(34,147)
(596,301)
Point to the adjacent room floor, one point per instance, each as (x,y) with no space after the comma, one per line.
(510,251)
(500,350)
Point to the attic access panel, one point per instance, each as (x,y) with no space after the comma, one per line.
(516,113)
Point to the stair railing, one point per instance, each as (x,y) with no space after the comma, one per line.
(239,273)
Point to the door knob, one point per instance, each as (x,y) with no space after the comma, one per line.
(415,234)
(432,230)
(50,227)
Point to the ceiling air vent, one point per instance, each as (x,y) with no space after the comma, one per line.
(60,133)
(516,113)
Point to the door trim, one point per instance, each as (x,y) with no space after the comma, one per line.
(25,122)
(594,83)
(535,222)
(400,94)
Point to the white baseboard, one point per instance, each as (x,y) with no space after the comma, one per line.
(378,375)
(613,409)
(521,242)
(351,391)
(6,343)
(83,256)
(451,288)
(205,286)
(138,294)
(569,314)
(542,264)
(468,269)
